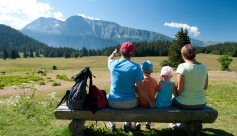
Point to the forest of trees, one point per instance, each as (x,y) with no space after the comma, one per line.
(229,49)
(156,48)
(11,38)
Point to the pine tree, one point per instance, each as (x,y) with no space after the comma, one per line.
(234,54)
(18,55)
(37,53)
(175,56)
(66,55)
(12,54)
(4,54)
(31,53)
(24,54)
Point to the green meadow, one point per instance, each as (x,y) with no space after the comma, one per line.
(27,108)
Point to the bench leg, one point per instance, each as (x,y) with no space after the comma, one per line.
(193,128)
(76,127)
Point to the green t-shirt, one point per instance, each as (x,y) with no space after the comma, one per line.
(194,82)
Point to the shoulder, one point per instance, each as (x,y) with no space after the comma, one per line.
(204,68)
(112,61)
(135,64)
(152,78)
(161,84)
(181,68)
(173,84)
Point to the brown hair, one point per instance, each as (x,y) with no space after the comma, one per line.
(189,51)
(147,71)
(126,55)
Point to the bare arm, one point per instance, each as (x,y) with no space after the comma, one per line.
(114,54)
(143,93)
(174,88)
(180,83)
(206,83)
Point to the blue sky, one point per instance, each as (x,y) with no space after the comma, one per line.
(214,20)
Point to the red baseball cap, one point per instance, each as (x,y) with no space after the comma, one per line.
(129,46)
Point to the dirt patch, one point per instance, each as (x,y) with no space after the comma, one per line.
(102,79)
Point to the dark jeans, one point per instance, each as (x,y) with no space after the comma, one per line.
(187,107)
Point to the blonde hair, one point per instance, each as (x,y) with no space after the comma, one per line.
(189,51)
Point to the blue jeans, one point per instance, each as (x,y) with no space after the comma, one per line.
(187,107)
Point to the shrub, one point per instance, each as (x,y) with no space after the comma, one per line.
(43,74)
(56,84)
(54,67)
(165,63)
(48,78)
(42,83)
(225,62)
(50,81)
(63,77)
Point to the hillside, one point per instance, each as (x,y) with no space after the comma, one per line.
(79,26)
(11,38)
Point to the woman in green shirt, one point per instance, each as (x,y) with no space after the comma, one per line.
(192,81)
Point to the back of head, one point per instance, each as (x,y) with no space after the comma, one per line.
(127,49)
(166,71)
(189,51)
(147,67)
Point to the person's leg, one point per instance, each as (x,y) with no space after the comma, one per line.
(182,106)
(138,125)
(111,126)
(187,107)
(124,105)
(148,125)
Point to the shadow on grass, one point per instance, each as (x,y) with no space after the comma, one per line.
(216,132)
(90,131)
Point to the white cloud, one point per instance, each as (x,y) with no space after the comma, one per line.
(13,21)
(58,15)
(191,29)
(88,17)
(24,11)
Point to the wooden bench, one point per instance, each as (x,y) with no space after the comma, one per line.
(192,119)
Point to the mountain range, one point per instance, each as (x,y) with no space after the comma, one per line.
(78,32)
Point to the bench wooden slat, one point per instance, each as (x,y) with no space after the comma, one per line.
(140,114)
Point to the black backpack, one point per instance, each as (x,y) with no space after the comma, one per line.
(77,98)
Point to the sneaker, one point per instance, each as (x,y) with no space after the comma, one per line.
(179,125)
(129,126)
(148,126)
(138,126)
(111,126)
(173,125)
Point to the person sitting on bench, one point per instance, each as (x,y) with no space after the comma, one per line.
(124,75)
(192,81)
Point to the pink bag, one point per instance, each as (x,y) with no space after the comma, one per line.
(100,96)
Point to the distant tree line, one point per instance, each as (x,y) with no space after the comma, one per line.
(155,48)
(229,49)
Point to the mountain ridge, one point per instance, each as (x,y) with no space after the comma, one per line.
(92,29)
(78,26)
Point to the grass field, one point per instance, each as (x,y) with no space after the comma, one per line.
(100,62)
(30,111)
